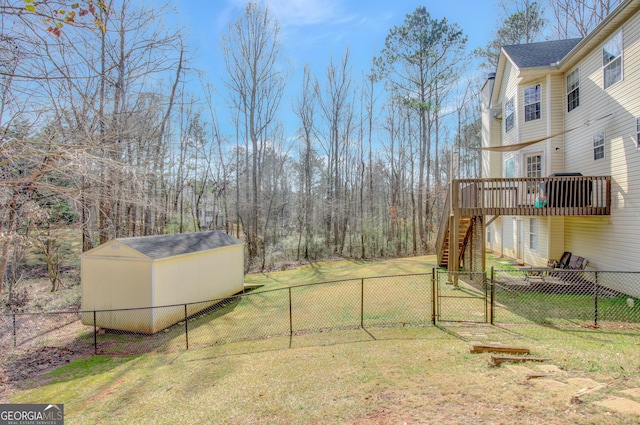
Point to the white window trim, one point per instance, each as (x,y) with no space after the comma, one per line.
(600,135)
(621,56)
(533,234)
(538,101)
(576,89)
(513,114)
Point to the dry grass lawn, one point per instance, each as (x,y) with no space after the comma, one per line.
(388,375)
(404,375)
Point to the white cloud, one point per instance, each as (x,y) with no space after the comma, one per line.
(302,12)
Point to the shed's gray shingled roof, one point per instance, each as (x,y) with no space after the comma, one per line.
(164,246)
(544,53)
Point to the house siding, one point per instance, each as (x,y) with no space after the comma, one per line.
(532,129)
(609,243)
(602,241)
(508,91)
(557,102)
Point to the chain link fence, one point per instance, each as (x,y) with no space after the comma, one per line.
(537,297)
(346,304)
(567,298)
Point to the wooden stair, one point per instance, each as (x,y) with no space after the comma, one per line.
(463,232)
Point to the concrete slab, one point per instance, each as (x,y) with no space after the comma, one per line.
(633,392)
(620,405)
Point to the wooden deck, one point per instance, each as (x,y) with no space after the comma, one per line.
(544,196)
(581,196)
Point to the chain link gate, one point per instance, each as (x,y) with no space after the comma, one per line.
(470,300)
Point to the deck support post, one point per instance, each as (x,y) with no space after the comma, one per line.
(453,265)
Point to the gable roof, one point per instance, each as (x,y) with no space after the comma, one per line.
(164,246)
(544,53)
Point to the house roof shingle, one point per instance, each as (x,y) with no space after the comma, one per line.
(164,246)
(539,54)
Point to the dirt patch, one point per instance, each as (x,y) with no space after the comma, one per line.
(388,417)
(32,365)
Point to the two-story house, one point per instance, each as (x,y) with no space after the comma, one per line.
(561,154)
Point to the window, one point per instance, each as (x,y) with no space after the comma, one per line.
(510,168)
(637,133)
(598,146)
(534,169)
(532,103)
(509,113)
(573,90)
(612,60)
(534,166)
(533,234)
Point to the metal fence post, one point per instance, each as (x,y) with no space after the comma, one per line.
(95,334)
(14,331)
(433,295)
(362,303)
(595,301)
(186,326)
(492,298)
(290,315)
(487,296)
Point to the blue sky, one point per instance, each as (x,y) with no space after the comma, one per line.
(315,30)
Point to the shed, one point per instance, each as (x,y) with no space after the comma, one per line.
(158,271)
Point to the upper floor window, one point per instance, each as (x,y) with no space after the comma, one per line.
(532,103)
(573,90)
(509,113)
(598,146)
(612,60)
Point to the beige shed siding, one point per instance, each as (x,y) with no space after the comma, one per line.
(117,283)
(114,249)
(205,276)
(116,276)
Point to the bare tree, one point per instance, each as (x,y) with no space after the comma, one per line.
(86,100)
(418,61)
(252,55)
(305,110)
(337,111)
(577,18)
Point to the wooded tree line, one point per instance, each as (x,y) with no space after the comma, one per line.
(106,125)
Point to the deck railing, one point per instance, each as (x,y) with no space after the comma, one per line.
(443,228)
(544,196)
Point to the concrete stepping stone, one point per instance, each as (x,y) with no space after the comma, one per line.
(633,392)
(620,405)
(583,382)
(550,384)
(519,370)
(551,369)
